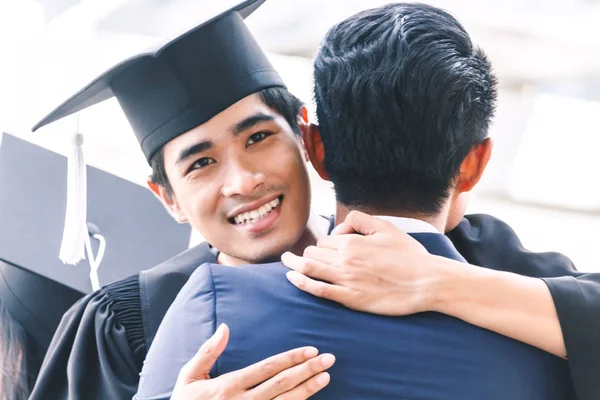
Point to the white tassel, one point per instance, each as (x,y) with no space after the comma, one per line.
(75,233)
(76,240)
(95,261)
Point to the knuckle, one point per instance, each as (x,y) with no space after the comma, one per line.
(309,251)
(268,367)
(186,370)
(348,248)
(315,365)
(357,300)
(348,277)
(297,357)
(301,282)
(299,266)
(232,383)
(311,387)
(352,215)
(281,382)
(347,259)
(305,266)
(321,291)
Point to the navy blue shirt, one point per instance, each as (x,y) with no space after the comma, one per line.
(422,356)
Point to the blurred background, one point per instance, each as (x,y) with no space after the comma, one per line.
(544,177)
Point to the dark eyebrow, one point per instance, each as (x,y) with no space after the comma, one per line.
(250,122)
(193,150)
(237,129)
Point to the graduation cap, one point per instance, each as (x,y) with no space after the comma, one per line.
(35,286)
(181,84)
(167,91)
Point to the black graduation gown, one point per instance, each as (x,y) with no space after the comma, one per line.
(98,350)
(486,241)
(99,347)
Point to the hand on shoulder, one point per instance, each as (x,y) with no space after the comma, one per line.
(293,375)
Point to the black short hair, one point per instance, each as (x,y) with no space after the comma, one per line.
(402,95)
(278,99)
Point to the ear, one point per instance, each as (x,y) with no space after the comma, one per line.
(316,149)
(473,166)
(169,201)
(302,125)
(303,115)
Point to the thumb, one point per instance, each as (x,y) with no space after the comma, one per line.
(364,224)
(198,368)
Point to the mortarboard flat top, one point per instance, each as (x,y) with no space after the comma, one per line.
(35,285)
(181,84)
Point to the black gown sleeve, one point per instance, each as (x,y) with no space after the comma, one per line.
(98,349)
(577,301)
(488,242)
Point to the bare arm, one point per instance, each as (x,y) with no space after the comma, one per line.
(512,305)
(389,273)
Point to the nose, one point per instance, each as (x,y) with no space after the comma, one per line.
(242,180)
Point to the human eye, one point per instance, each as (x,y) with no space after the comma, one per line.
(257,137)
(201,163)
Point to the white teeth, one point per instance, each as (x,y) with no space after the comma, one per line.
(256,215)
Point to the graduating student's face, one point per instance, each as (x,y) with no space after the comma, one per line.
(240,179)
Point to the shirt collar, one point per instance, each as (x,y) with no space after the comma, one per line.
(319,226)
(410,225)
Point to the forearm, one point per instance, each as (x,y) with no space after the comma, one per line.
(512,305)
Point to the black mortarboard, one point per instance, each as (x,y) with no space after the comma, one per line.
(35,286)
(177,86)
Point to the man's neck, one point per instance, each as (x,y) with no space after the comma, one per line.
(438,220)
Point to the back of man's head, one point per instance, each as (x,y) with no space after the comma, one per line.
(402,96)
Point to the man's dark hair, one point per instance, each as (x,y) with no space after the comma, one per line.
(402,96)
(278,99)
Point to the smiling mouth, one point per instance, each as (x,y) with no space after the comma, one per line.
(253,216)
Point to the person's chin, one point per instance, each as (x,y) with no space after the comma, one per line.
(272,258)
(271,251)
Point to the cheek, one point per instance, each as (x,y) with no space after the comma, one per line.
(198,201)
(291,158)
(296,175)
(289,166)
